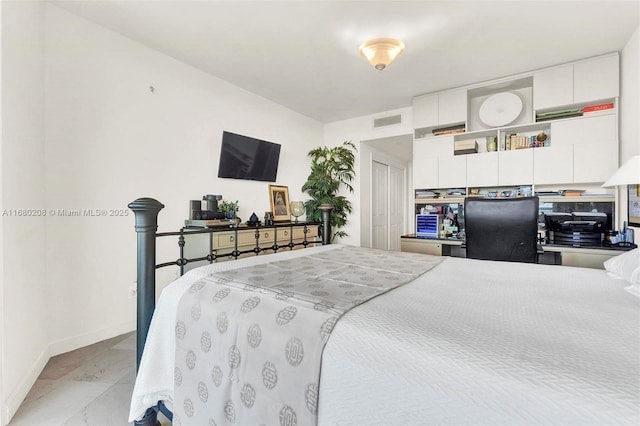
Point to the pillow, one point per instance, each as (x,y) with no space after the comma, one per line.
(626,267)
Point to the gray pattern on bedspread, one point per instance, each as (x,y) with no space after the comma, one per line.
(249,341)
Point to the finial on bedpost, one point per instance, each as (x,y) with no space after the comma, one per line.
(146,219)
(325,209)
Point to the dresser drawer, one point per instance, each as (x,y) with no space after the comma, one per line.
(247,237)
(228,239)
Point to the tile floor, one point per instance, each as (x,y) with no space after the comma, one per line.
(88,386)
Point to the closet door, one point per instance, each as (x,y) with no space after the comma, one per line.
(380,205)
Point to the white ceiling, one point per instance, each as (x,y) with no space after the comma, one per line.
(304,54)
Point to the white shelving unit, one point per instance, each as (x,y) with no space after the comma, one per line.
(579,150)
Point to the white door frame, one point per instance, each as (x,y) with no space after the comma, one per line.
(368,154)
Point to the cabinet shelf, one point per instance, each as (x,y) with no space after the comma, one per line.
(543,199)
(446,200)
(580,199)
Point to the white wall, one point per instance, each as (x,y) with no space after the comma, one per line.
(357,130)
(629,112)
(24,283)
(111,139)
(630,98)
(82,129)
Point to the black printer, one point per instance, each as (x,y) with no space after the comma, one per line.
(577,229)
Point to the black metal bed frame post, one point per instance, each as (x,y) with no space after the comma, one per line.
(325,209)
(146,223)
(146,216)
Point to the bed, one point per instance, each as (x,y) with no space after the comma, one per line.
(463,341)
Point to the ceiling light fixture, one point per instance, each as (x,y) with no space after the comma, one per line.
(380,52)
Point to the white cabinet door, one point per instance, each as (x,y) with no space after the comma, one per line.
(577,131)
(452,171)
(425,160)
(452,107)
(582,82)
(553,87)
(594,162)
(596,79)
(553,165)
(515,167)
(425,111)
(425,173)
(482,169)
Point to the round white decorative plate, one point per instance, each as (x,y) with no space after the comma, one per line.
(500,109)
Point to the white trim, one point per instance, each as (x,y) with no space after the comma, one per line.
(86,339)
(16,398)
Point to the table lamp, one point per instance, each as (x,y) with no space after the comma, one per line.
(627,174)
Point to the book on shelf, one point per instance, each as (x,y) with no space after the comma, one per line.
(554,117)
(447,132)
(559,112)
(450,130)
(466,144)
(465,151)
(598,107)
(454,127)
(465,147)
(572,192)
(518,142)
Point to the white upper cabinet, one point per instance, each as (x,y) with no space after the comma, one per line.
(452,106)
(440,109)
(594,162)
(515,167)
(425,111)
(553,165)
(596,79)
(595,145)
(578,149)
(425,160)
(578,131)
(579,83)
(452,171)
(482,169)
(553,87)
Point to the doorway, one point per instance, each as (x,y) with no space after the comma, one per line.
(385,191)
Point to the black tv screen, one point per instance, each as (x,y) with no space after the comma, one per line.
(242,157)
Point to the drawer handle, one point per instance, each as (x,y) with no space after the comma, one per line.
(266,235)
(286,233)
(231,238)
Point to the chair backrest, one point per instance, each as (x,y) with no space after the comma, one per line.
(502,229)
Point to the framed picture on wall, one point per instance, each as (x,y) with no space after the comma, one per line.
(279,196)
(634,205)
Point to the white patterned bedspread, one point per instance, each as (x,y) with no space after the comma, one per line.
(469,342)
(249,341)
(488,343)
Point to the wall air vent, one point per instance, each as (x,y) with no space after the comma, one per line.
(387,121)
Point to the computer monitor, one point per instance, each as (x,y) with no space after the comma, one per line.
(427,225)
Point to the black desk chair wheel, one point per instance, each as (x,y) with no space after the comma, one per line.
(502,229)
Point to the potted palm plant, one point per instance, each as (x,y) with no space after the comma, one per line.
(331,169)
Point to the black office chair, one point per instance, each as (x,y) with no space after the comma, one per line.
(502,229)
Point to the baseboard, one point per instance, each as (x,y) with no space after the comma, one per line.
(13,402)
(86,339)
(18,395)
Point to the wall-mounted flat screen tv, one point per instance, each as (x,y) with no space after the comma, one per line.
(242,157)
